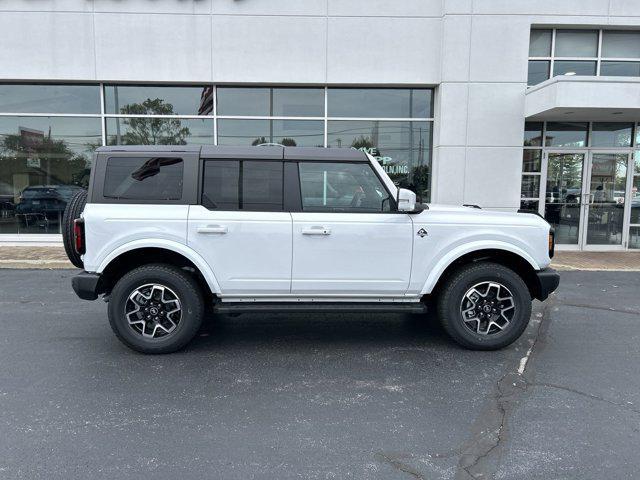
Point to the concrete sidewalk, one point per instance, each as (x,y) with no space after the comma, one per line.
(54,257)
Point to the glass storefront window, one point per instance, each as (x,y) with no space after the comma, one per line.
(279,101)
(635,200)
(530,186)
(576,43)
(620,44)
(605,134)
(159,131)
(634,237)
(26,98)
(620,69)
(577,52)
(531,160)
(158,100)
(533,134)
(540,43)
(571,67)
(531,205)
(44,159)
(291,133)
(402,148)
(379,102)
(567,134)
(43,162)
(538,71)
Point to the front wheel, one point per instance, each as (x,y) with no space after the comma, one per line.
(484,306)
(156,308)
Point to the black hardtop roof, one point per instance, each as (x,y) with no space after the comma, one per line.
(271,152)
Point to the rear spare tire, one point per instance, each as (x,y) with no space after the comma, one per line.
(71,212)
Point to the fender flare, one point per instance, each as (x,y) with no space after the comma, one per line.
(457,252)
(176,247)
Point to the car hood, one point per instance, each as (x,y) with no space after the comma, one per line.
(441,213)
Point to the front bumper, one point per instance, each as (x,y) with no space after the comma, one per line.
(86,285)
(548,281)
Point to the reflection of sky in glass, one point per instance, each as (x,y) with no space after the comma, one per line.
(566,134)
(185,100)
(49,98)
(379,102)
(80,135)
(279,101)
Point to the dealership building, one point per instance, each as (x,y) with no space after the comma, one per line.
(505,104)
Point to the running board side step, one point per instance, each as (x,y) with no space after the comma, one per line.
(319,307)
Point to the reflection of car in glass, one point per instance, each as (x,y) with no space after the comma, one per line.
(566,195)
(166,231)
(45,199)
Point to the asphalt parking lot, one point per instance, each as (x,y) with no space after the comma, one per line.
(329,396)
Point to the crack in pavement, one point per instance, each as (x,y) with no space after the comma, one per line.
(583,394)
(398,465)
(509,388)
(600,307)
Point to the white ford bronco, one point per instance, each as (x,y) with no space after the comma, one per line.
(167,233)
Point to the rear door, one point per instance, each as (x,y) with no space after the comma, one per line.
(348,239)
(240,226)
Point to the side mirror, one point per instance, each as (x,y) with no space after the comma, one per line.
(407,201)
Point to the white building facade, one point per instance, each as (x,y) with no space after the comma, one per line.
(505,104)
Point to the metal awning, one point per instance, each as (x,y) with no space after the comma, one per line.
(578,98)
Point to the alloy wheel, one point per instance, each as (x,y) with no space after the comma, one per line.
(153,310)
(487,308)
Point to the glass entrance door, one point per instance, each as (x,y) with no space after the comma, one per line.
(605,198)
(563,196)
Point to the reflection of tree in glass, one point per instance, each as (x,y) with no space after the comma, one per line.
(152,131)
(58,164)
(259,141)
(421,180)
(362,142)
(288,142)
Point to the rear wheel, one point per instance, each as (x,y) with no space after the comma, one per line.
(72,211)
(484,306)
(156,308)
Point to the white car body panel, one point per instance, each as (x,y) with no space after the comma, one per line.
(359,253)
(250,252)
(455,231)
(114,229)
(283,256)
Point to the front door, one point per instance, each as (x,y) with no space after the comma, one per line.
(563,194)
(585,198)
(348,240)
(605,198)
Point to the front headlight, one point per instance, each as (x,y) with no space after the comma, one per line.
(552,242)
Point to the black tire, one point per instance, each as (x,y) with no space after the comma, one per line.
(179,283)
(71,212)
(450,307)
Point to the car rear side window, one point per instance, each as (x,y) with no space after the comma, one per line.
(243,185)
(144,178)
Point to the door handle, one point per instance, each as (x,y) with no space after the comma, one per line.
(316,231)
(220,229)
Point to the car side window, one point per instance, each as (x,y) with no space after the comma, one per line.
(143,178)
(243,185)
(342,187)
